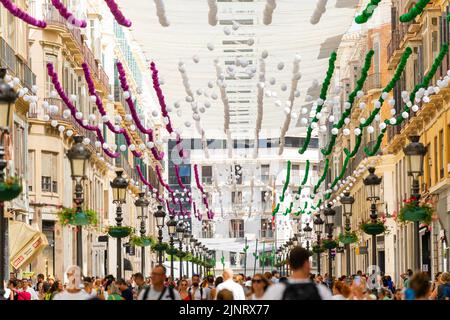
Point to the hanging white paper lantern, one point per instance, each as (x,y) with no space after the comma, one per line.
(78,115)
(415,108)
(210,46)
(346,131)
(123,148)
(54,123)
(86,141)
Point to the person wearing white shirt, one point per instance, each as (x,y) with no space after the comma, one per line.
(26,288)
(299,286)
(158,291)
(229,284)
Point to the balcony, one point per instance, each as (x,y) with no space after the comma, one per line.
(16,67)
(373,82)
(398,37)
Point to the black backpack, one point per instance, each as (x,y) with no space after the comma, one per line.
(171,293)
(301,291)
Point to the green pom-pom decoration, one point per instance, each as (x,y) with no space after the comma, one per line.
(324,175)
(286,183)
(367,12)
(414,11)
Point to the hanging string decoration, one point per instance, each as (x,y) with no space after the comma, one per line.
(73,110)
(268,11)
(149,132)
(22,15)
(101,109)
(212,14)
(118,15)
(414,11)
(320,102)
(367,12)
(161,13)
(350,102)
(204,195)
(322,178)
(149,185)
(321,7)
(260,106)
(180,183)
(286,183)
(69,16)
(426,80)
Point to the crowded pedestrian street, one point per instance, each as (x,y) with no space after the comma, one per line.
(233,150)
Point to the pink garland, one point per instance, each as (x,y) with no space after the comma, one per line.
(200,187)
(161,180)
(118,15)
(124,84)
(73,110)
(148,184)
(160,95)
(19,13)
(66,14)
(101,109)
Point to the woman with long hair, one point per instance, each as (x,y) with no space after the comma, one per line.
(259,287)
(340,290)
(56,288)
(183,290)
(420,284)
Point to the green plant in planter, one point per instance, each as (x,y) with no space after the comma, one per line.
(329,244)
(171,251)
(120,232)
(318,249)
(160,247)
(373,228)
(140,241)
(10,189)
(413,211)
(70,216)
(348,237)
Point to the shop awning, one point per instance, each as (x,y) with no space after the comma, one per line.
(25,244)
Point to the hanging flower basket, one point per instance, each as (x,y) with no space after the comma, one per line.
(412,211)
(348,237)
(160,247)
(373,228)
(120,232)
(10,189)
(142,241)
(318,249)
(329,244)
(70,216)
(172,251)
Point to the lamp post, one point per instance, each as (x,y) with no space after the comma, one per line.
(160,216)
(307,230)
(198,244)
(142,204)
(187,238)
(415,152)
(318,229)
(8,97)
(329,214)
(180,235)
(193,242)
(119,187)
(79,156)
(372,183)
(347,203)
(172,230)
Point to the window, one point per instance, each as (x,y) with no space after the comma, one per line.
(49,180)
(31,164)
(441,154)
(242,258)
(236,228)
(207,174)
(207,229)
(19,150)
(265,173)
(233,258)
(236,197)
(266,228)
(435,160)
(49,85)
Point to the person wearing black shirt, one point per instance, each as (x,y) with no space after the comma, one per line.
(125,290)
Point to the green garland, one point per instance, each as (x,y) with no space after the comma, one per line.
(324,175)
(160,247)
(286,183)
(414,11)
(289,210)
(120,231)
(323,96)
(351,100)
(426,81)
(329,244)
(367,12)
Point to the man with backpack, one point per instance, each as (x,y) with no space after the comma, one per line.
(197,291)
(158,291)
(299,286)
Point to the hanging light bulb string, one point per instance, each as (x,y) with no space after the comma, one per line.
(323,97)
(350,102)
(73,110)
(101,109)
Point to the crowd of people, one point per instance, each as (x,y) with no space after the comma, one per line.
(300,285)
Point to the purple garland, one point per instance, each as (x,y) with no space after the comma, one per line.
(73,109)
(124,84)
(200,187)
(101,109)
(19,13)
(66,14)
(118,15)
(148,184)
(161,180)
